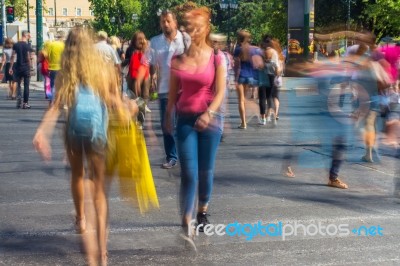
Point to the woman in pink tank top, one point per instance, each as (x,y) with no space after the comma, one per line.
(197,90)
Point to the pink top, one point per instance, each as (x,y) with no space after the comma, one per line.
(392,55)
(196,89)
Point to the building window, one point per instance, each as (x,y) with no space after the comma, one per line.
(91,13)
(51,11)
(79,12)
(65,11)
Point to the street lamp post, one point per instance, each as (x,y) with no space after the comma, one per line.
(39,31)
(4,20)
(229,4)
(348,19)
(55,14)
(112,20)
(27,16)
(135,18)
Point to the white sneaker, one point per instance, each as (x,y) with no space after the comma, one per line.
(262,121)
(269,119)
(147,109)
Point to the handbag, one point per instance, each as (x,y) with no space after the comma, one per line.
(127,154)
(44,69)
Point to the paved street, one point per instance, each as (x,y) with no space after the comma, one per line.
(37,214)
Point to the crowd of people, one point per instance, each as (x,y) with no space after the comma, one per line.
(91,76)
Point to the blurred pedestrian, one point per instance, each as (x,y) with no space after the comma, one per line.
(85,89)
(273,56)
(21,57)
(54,51)
(140,88)
(162,48)
(116,44)
(244,72)
(108,53)
(6,64)
(43,62)
(197,90)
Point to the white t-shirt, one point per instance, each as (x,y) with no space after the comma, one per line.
(8,53)
(109,53)
(160,54)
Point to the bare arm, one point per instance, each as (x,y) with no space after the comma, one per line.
(219,88)
(172,98)
(44,133)
(12,63)
(236,67)
(139,79)
(3,62)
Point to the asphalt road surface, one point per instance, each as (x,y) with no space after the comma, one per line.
(37,213)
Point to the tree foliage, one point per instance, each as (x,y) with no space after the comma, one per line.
(259,17)
(384,17)
(378,16)
(19,7)
(115,16)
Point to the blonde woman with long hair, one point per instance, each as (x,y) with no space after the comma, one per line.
(84,78)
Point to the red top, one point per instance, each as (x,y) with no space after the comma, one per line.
(135,64)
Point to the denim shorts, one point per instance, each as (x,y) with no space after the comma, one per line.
(247,81)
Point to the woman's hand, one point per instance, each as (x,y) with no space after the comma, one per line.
(42,145)
(202,122)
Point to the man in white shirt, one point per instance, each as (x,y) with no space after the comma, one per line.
(162,48)
(109,54)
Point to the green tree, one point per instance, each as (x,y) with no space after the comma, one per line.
(261,17)
(115,16)
(378,16)
(383,16)
(149,21)
(19,7)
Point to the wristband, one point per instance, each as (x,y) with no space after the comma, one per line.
(212,113)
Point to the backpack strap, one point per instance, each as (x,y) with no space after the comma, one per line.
(215,66)
(215,60)
(184,43)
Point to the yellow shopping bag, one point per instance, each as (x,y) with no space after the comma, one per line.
(127,153)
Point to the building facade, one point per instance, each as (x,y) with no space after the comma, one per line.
(65,13)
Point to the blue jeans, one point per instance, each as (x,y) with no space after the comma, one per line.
(25,75)
(197,153)
(247,80)
(169,141)
(339,149)
(53,74)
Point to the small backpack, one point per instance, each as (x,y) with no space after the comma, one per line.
(88,117)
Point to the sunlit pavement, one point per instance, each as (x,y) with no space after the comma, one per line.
(36,210)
